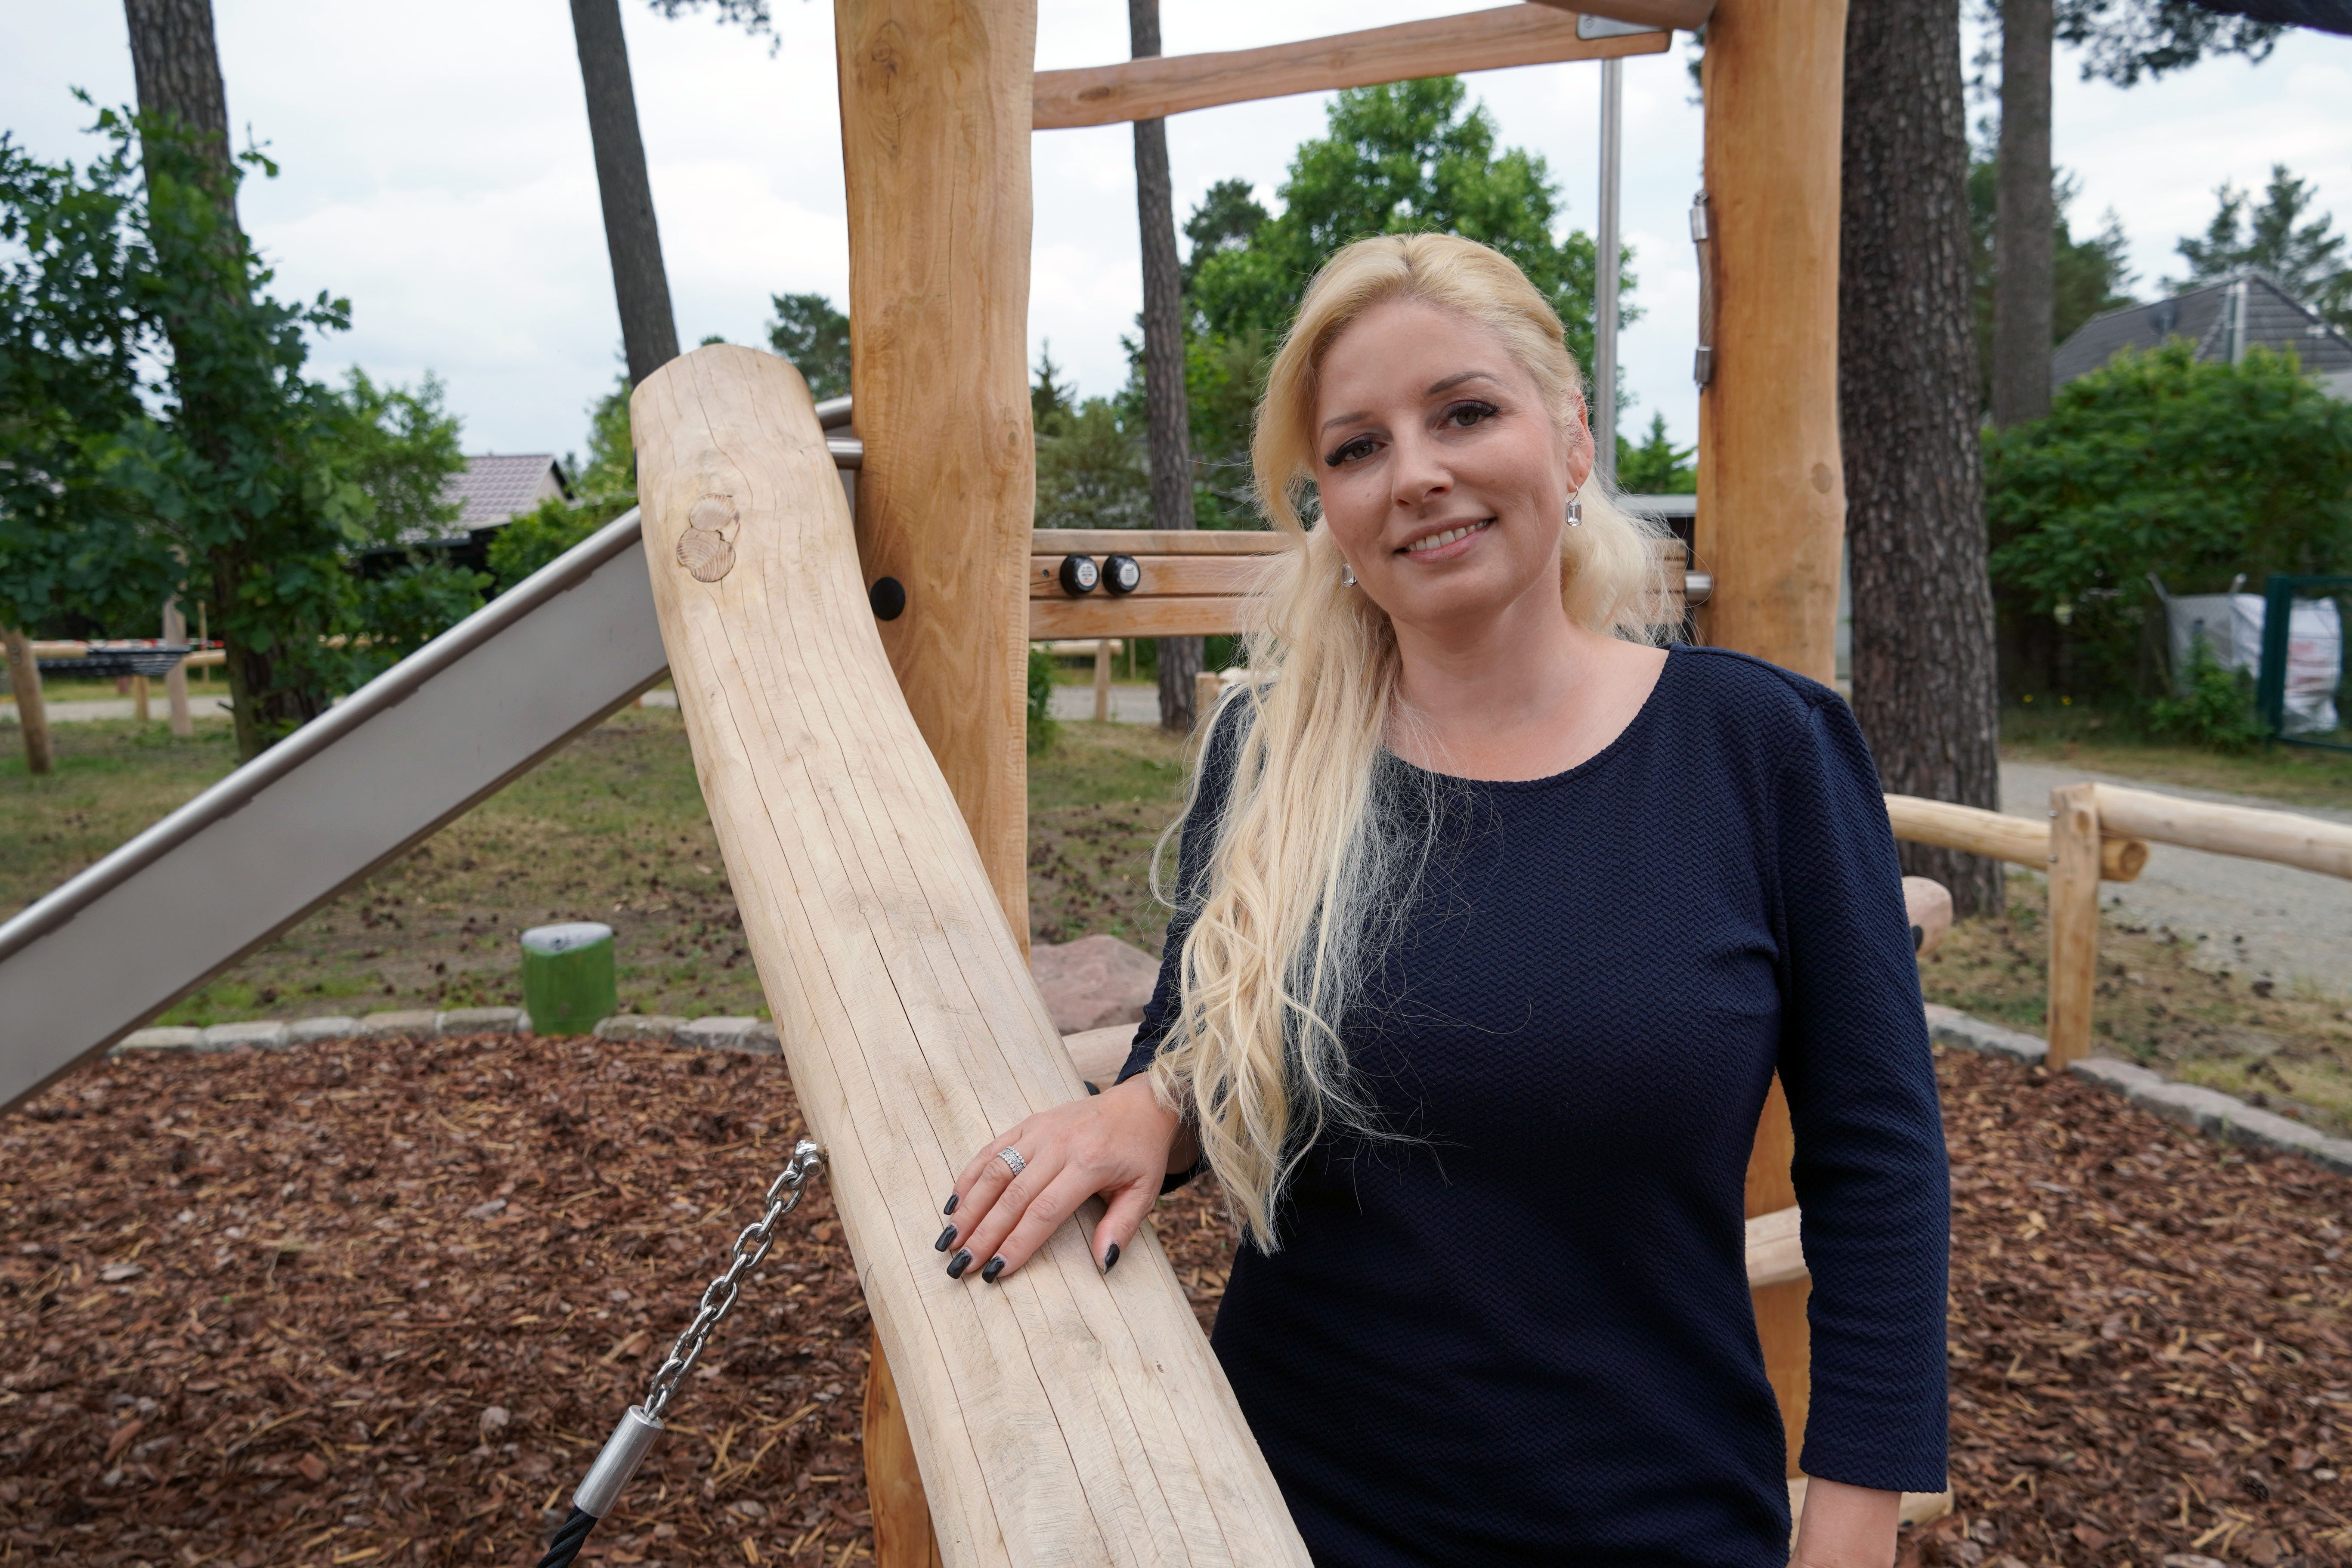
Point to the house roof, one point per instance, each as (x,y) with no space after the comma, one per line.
(2203,316)
(495,487)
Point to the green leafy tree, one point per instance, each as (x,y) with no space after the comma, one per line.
(1657,467)
(2088,276)
(2156,463)
(815,336)
(603,486)
(2300,251)
(1404,158)
(238,479)
(1090,470)
(610,468)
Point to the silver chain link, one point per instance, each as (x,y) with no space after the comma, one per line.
(783,1196)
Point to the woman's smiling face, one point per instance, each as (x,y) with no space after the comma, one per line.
(1442,476)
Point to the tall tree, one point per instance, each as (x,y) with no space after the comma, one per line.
(648,327)
(176,65)
(1168,436)
(2122,41)
(2304,257)
(2087,276)
(1924,676)
(2023,245)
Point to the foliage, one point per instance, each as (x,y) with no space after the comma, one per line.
(609,469)
(2306,260)
(2087,276)
(530,539)
(2156,463)
(1657,467)
(1408,157)
(2217,711)
(2123,40)
(69,386)
(815,336)
(1090,469)
(1043,726)
(235,477)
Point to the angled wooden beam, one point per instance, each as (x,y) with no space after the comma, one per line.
(1063,1415)
(1443,46)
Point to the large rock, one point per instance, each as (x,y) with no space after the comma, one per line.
(1093,982)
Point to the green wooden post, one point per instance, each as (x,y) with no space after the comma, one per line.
(569,982)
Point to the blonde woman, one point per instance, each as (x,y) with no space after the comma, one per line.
(1493,921)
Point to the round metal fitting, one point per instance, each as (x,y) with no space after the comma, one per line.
(1079,574)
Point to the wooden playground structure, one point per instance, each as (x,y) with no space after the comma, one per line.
(1075,1417)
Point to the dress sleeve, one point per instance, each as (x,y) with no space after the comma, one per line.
(1200,834)
(1870,1168)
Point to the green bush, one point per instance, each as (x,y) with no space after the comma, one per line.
(536,537)
(2217,711)
(1042,726)
(2156,463)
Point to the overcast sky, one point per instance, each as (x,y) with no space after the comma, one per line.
(437,172)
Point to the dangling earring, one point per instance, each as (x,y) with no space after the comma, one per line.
(1575,512)
(1347,575)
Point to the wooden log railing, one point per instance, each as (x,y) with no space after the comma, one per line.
(1157,86)
(1063,1415)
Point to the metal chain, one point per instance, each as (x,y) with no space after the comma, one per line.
(719,1298)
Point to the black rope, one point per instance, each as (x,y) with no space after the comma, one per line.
(568,1541)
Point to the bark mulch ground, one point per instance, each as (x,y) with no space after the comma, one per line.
(379,1304)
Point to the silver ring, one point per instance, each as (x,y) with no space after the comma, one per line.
(1013,1158)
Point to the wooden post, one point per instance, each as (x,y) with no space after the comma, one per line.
(2073,920)
(1102,681)
(936,102)
(31,711)
(1207,687)
(1064,1415)
(902,1519)
(139,698)
(175,684)
(1771,486)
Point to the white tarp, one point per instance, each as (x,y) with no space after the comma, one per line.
(2230,624)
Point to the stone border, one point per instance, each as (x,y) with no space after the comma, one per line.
(2198,1109)
(2194,1105)
(752,1036)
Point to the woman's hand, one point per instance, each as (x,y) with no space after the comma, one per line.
(1119,1144)
(1846,1526)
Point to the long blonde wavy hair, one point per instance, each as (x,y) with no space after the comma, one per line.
(1290,918)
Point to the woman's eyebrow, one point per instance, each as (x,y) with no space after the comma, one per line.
(1454,381)
(1345,419)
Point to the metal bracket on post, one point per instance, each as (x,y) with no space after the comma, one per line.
(1703,241)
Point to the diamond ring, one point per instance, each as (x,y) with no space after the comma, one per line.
(1012,1157)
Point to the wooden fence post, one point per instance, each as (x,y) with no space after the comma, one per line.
(32,710)
(2073,920)
(1771,483)
(1102,681)
(936,104)
(175,684)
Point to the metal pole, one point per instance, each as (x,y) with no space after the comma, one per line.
(1604,293)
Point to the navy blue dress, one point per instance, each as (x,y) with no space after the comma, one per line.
(1524,1335)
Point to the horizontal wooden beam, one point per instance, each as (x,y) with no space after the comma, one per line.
(1152,88)
(1170,576)
(1683,16)
(1099,615)
(1141,541)
(2019,839)
(2285,837)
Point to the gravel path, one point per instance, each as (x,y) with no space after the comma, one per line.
(2247,916)
(159,709)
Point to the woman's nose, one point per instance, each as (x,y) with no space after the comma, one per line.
(1418,473)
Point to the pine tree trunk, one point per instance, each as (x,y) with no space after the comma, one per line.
(176,65)
(1924,686)
(1166,416)
(648,326)
(2024,219)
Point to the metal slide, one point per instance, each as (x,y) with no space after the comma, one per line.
(422,743)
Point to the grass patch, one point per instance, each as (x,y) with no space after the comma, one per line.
(2286,1050)
(2104,742)
(612,829)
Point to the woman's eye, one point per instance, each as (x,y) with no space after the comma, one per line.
(1462,416)
(1362,447)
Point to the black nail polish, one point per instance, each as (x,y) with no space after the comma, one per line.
(995,1267)
(946,1236)
(959,1263)
(953,1199)
(1110,1257)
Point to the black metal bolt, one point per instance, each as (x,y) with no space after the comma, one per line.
(888,597)
(1122,574)
(1079,574)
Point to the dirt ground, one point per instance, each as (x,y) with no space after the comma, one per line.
(380,1304)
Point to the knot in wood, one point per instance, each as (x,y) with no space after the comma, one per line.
(706,548)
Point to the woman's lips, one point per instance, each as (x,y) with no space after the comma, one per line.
(1447,542)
